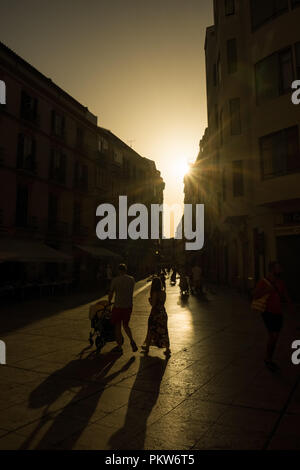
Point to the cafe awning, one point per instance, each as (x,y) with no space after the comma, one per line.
(99,252)
(30,252)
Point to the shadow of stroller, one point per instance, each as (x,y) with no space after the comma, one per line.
(91,375)
(151,372)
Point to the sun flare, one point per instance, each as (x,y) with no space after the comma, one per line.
(180,167)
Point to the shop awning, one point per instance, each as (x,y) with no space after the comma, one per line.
(30,251)
(99,252)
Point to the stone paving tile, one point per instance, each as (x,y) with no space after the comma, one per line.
(160,441)
(195,411)
(221,437)
(248,420)
(94,436)
(16,416)
(281,442)
(289,426)
(15,441)
(49,431)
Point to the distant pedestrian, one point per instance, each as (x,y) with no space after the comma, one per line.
(157,334)
(122,286)
(197,279)
(268,296)
(163,279)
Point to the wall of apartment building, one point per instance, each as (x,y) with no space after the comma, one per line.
(245,224)
(42,183)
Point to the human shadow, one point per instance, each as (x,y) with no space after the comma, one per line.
(140,405)
(183,300)
(91,375)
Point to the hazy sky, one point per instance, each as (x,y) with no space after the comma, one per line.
(138,65)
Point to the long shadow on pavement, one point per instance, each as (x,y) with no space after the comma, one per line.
(138,412)
(16,315)
(93,371)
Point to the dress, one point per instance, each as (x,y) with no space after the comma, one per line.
(158,323)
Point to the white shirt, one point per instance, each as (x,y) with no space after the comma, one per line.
(123,286)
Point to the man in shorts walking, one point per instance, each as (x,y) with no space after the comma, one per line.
(122,286)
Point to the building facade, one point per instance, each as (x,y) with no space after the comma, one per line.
(56,166)
(248,170)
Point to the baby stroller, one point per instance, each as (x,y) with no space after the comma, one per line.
(184,286)
(101,326)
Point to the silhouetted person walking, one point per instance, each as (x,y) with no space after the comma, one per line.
(157,334)
(122,286)
(270,292)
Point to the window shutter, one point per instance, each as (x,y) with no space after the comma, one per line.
(20,152)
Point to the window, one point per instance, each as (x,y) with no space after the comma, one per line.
(28,107)
(81,176)
(52,210)
(235,116)
(26,154)
(58,124)
(224,186)
(297,54)
(263,11)
(126,168)
(238,178)
(79,137)
(58,164)
(229,7)
(280,153)
(216,14)
(101,178)
(118,157)
(274,75)
(76,216)
(22,206)
(286,70)
(102,144)
(232,55)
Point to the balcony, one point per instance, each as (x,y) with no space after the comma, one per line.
(102,158)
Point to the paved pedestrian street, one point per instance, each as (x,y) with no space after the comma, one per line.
(213,393)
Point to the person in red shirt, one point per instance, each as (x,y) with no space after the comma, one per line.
(273,286)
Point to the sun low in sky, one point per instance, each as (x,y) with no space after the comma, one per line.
(180,167)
